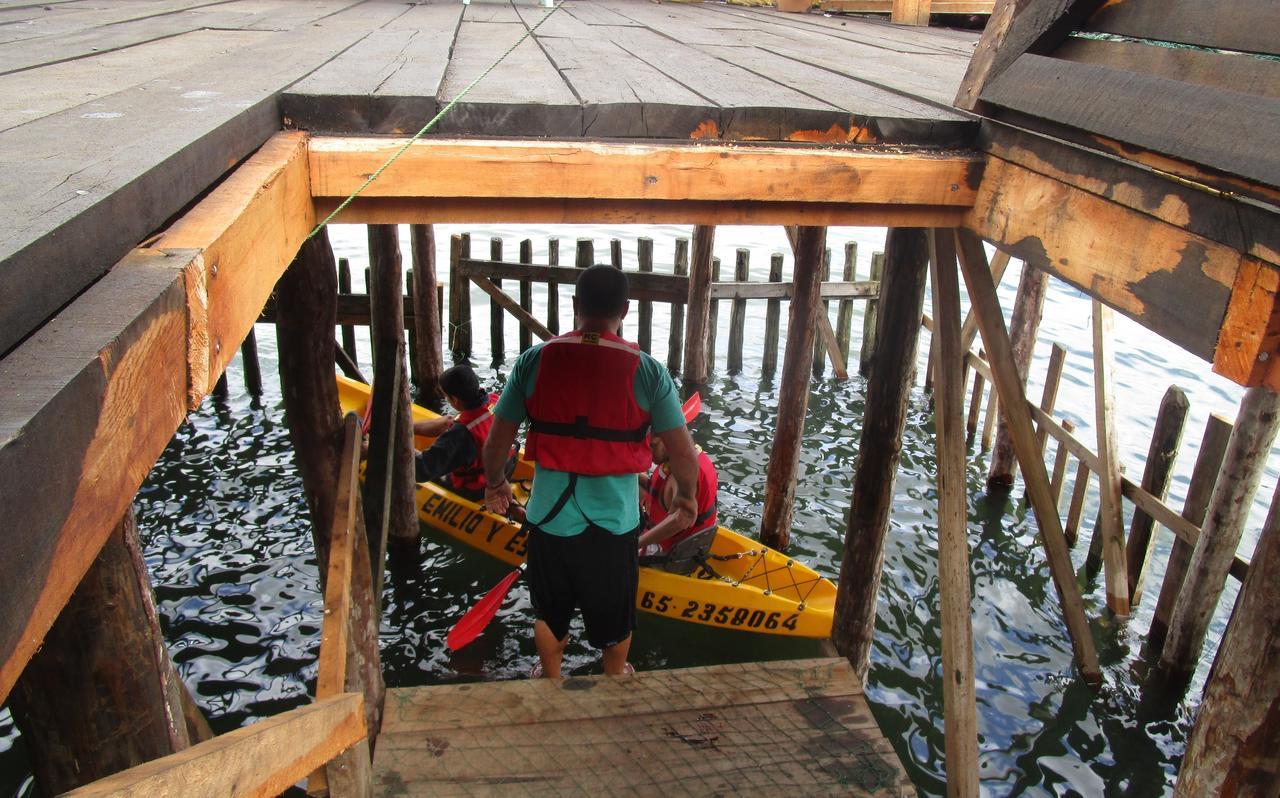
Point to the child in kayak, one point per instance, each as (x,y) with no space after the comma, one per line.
(664,543)
(454,459)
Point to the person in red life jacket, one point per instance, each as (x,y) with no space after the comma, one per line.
(670,547)
(592,400)
(454,459)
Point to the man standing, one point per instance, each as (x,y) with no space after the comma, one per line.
(592,400)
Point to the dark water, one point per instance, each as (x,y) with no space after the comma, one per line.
(225,530)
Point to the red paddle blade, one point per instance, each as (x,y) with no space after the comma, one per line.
(692,407)
(367,421)
(478,617)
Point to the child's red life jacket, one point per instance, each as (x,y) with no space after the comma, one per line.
(478,422)
(707,486)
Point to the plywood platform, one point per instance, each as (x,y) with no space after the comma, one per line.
(793,728)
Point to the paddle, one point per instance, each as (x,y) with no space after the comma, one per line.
(477,619)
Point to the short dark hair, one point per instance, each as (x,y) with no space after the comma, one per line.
(462,382)
(601,292)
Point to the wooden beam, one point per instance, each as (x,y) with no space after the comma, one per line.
(995,338)
(910,12)
(698,307)
(655,287)
(583,170)
(1111,514)
(1248,350)
(263,759)
(886,6)
(512,306)
(1166,440)
(247,231)
(832,345)
(426,316)
(959,693)
(1148,270)
(1028,307)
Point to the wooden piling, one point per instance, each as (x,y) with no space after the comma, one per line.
(738,311)
(585,255)
(429,357)
(675,339)
(824,309)
(1028,307)
(1234,747)
(772,320)
(990,320)
(875,472)
(348,332)
(1060,467)
(793,391)
(696,362)
(459,299)
(989,421)
(975,406)
(1204,476)
(411,332)
(959,693)
(526,293)
(101,695)
(1255,429)
(713,318)
(221,388)
(1166,439)
(497,342)
(644,322)
(553,288)
(1071,528)
(1111,512)
(844,316)
(252,370)
(869,322)
(1049,396)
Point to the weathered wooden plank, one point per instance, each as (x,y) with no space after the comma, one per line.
(1166,439)
(655,287)
(1150,111)
(886,6)
(587,170)
(698,306)
(94,397)
(259,760)
(838,32)
(1110,526)
(1250,337)
(1233,71)
(1249,27)
(386,83)
(502,300)
(1152,283)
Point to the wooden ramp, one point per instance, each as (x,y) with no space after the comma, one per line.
(798,726)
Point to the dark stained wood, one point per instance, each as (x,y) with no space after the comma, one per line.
(867,349)
(793,396)
(772,314)
(1233,71)
(252,370)
(1235,744)
(713,316)
(824,310)
(102,674)
(738,312)
(644,320)
(1166,439)
(497,342)
(426,316)
(892,370)
(344,287)
(553,288)
(696,360)
(459,299)
(844,316)
(1028,307)
(526,293)
(1249,27)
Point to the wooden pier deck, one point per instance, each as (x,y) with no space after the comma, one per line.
(796,727)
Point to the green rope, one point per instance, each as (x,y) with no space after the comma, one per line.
(432,123)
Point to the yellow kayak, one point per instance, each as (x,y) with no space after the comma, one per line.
(743,585)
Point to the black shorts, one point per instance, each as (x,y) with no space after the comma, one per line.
(595,571)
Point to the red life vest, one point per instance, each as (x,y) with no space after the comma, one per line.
(583,412)
(478,422)
(707,486)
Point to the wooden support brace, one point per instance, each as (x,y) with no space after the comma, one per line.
(504,301)
(1111,513)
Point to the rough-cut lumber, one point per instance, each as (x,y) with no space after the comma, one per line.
(675,336)
(567,171)
(459,298)
(1235,744)
(263,759)
(889,387)
(103,674)
(1231,71)
(738,312)
(844,316)
(1255,429)
(696,359)
(1028,307)
(868,347)
(503,301)
(1052,380)
(248,231)
(526,294)
(1110,526)
(1166,439)
(910,12)
(94,398)
(793,397)
(995,337)
(959,697)
(1250,27)
(1250,339)
(655,287)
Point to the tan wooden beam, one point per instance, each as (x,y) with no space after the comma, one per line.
(910,12)
(1111,517)
(512,306)
(576,170)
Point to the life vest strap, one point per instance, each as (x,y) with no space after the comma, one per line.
(579,428)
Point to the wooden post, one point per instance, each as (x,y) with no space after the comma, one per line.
(426,312)
(844,316)
(1235,744)
(615,253)
(772,321)
(1251,440)
(586,253)
(910,12)
(1071,530)
(1060,467)
(869,324)
(1166,438)
(553,288)
(252,371)
(793,391)
(412,333)
(101,695)
(876,469)
(221,389)
(526,293)
(1028,307)
(959,693)
(644,311)
(986,307)
(459,299)
(386,332)
(738,311)
(348,332)
(1111,514)
(975,406)
(675,339)
(713,318)
(1204,476)
(696,360)
(497,342)
(1049,396)
(989,421)
(824,309)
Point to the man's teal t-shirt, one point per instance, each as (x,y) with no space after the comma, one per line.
(610,502)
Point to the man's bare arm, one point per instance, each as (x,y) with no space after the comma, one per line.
(683,464)
(497,493)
